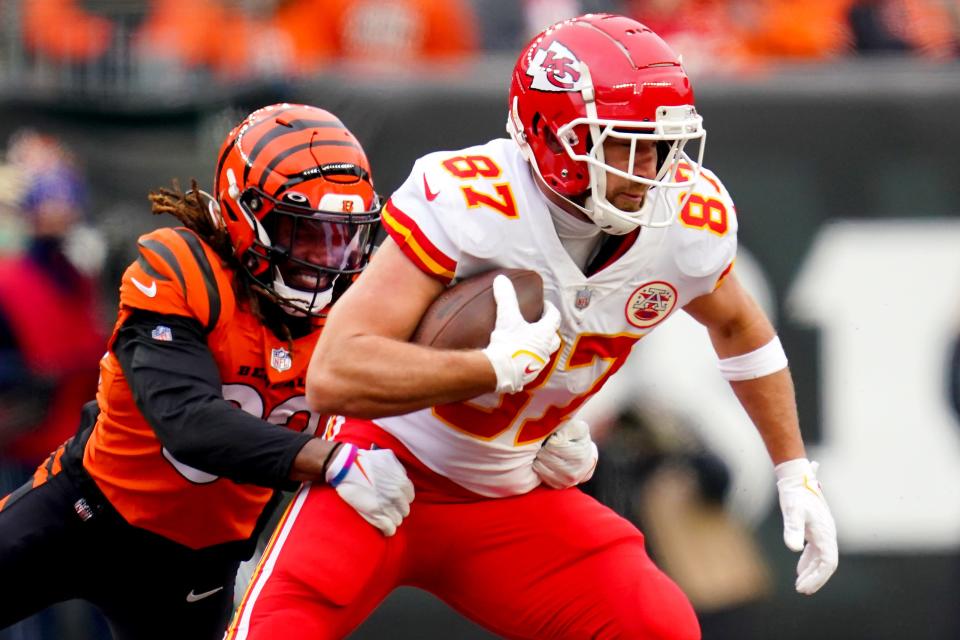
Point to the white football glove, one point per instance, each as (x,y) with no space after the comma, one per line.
(568,457)
(373,482)
(807,516)
(518,349)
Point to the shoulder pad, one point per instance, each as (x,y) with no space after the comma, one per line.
(178,273)
(706,229)
(455,203)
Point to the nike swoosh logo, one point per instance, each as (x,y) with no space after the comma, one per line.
(362,470)
(431,195)
(150,291)
(531,368)
(193,597)
(806,485)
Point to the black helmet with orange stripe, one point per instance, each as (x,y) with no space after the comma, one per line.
(294,190)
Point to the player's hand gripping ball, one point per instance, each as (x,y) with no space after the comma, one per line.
(463,316)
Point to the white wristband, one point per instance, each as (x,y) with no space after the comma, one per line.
(768,359)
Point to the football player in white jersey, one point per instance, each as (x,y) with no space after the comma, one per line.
(600,190)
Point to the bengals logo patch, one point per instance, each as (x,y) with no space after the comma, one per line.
(650,304)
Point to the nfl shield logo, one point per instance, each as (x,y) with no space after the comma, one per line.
(583,298)
(280,359)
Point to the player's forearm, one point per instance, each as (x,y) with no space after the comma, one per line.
(754,362)
(769,399)
(310,461)
(372,376)
(770,403)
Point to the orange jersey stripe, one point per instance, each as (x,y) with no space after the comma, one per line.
(178,263)
(56,464)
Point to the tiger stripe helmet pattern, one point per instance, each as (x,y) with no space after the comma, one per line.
(294,190)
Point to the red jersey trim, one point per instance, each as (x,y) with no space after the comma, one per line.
(415,244)
(724,275)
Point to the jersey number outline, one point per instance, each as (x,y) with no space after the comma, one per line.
(489,423)
(476,166)
(249,400)
(700,212)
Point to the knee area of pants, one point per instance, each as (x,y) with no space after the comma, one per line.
(667,628)
(669,619)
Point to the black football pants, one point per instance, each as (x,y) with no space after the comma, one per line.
(57,543)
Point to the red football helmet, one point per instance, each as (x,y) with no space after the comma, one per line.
(294,189)
(597,76)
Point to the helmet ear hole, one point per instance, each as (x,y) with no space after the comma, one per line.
(254,263)
(553,143)
(225,206)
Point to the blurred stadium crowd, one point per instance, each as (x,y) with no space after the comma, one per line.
(173,41)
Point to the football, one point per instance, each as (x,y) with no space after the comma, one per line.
(464,315)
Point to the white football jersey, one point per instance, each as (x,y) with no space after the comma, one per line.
(464,212)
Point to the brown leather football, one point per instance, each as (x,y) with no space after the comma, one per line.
(464,315)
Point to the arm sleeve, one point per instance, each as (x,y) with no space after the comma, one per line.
(176,385)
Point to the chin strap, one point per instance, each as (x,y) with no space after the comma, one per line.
(301,301)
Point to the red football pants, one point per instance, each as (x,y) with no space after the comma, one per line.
(547,564)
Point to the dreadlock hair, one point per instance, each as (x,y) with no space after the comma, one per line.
(191,209)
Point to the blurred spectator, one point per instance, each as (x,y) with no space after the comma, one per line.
(930,28)
(382,31)
(11,232)
(51,337)
(175,35)
(507,25)
(726,36)
(793,29)
(179,31)
(871,33)
(64,31)
(540,14)
(702,31)
(166,40)
(264,38)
